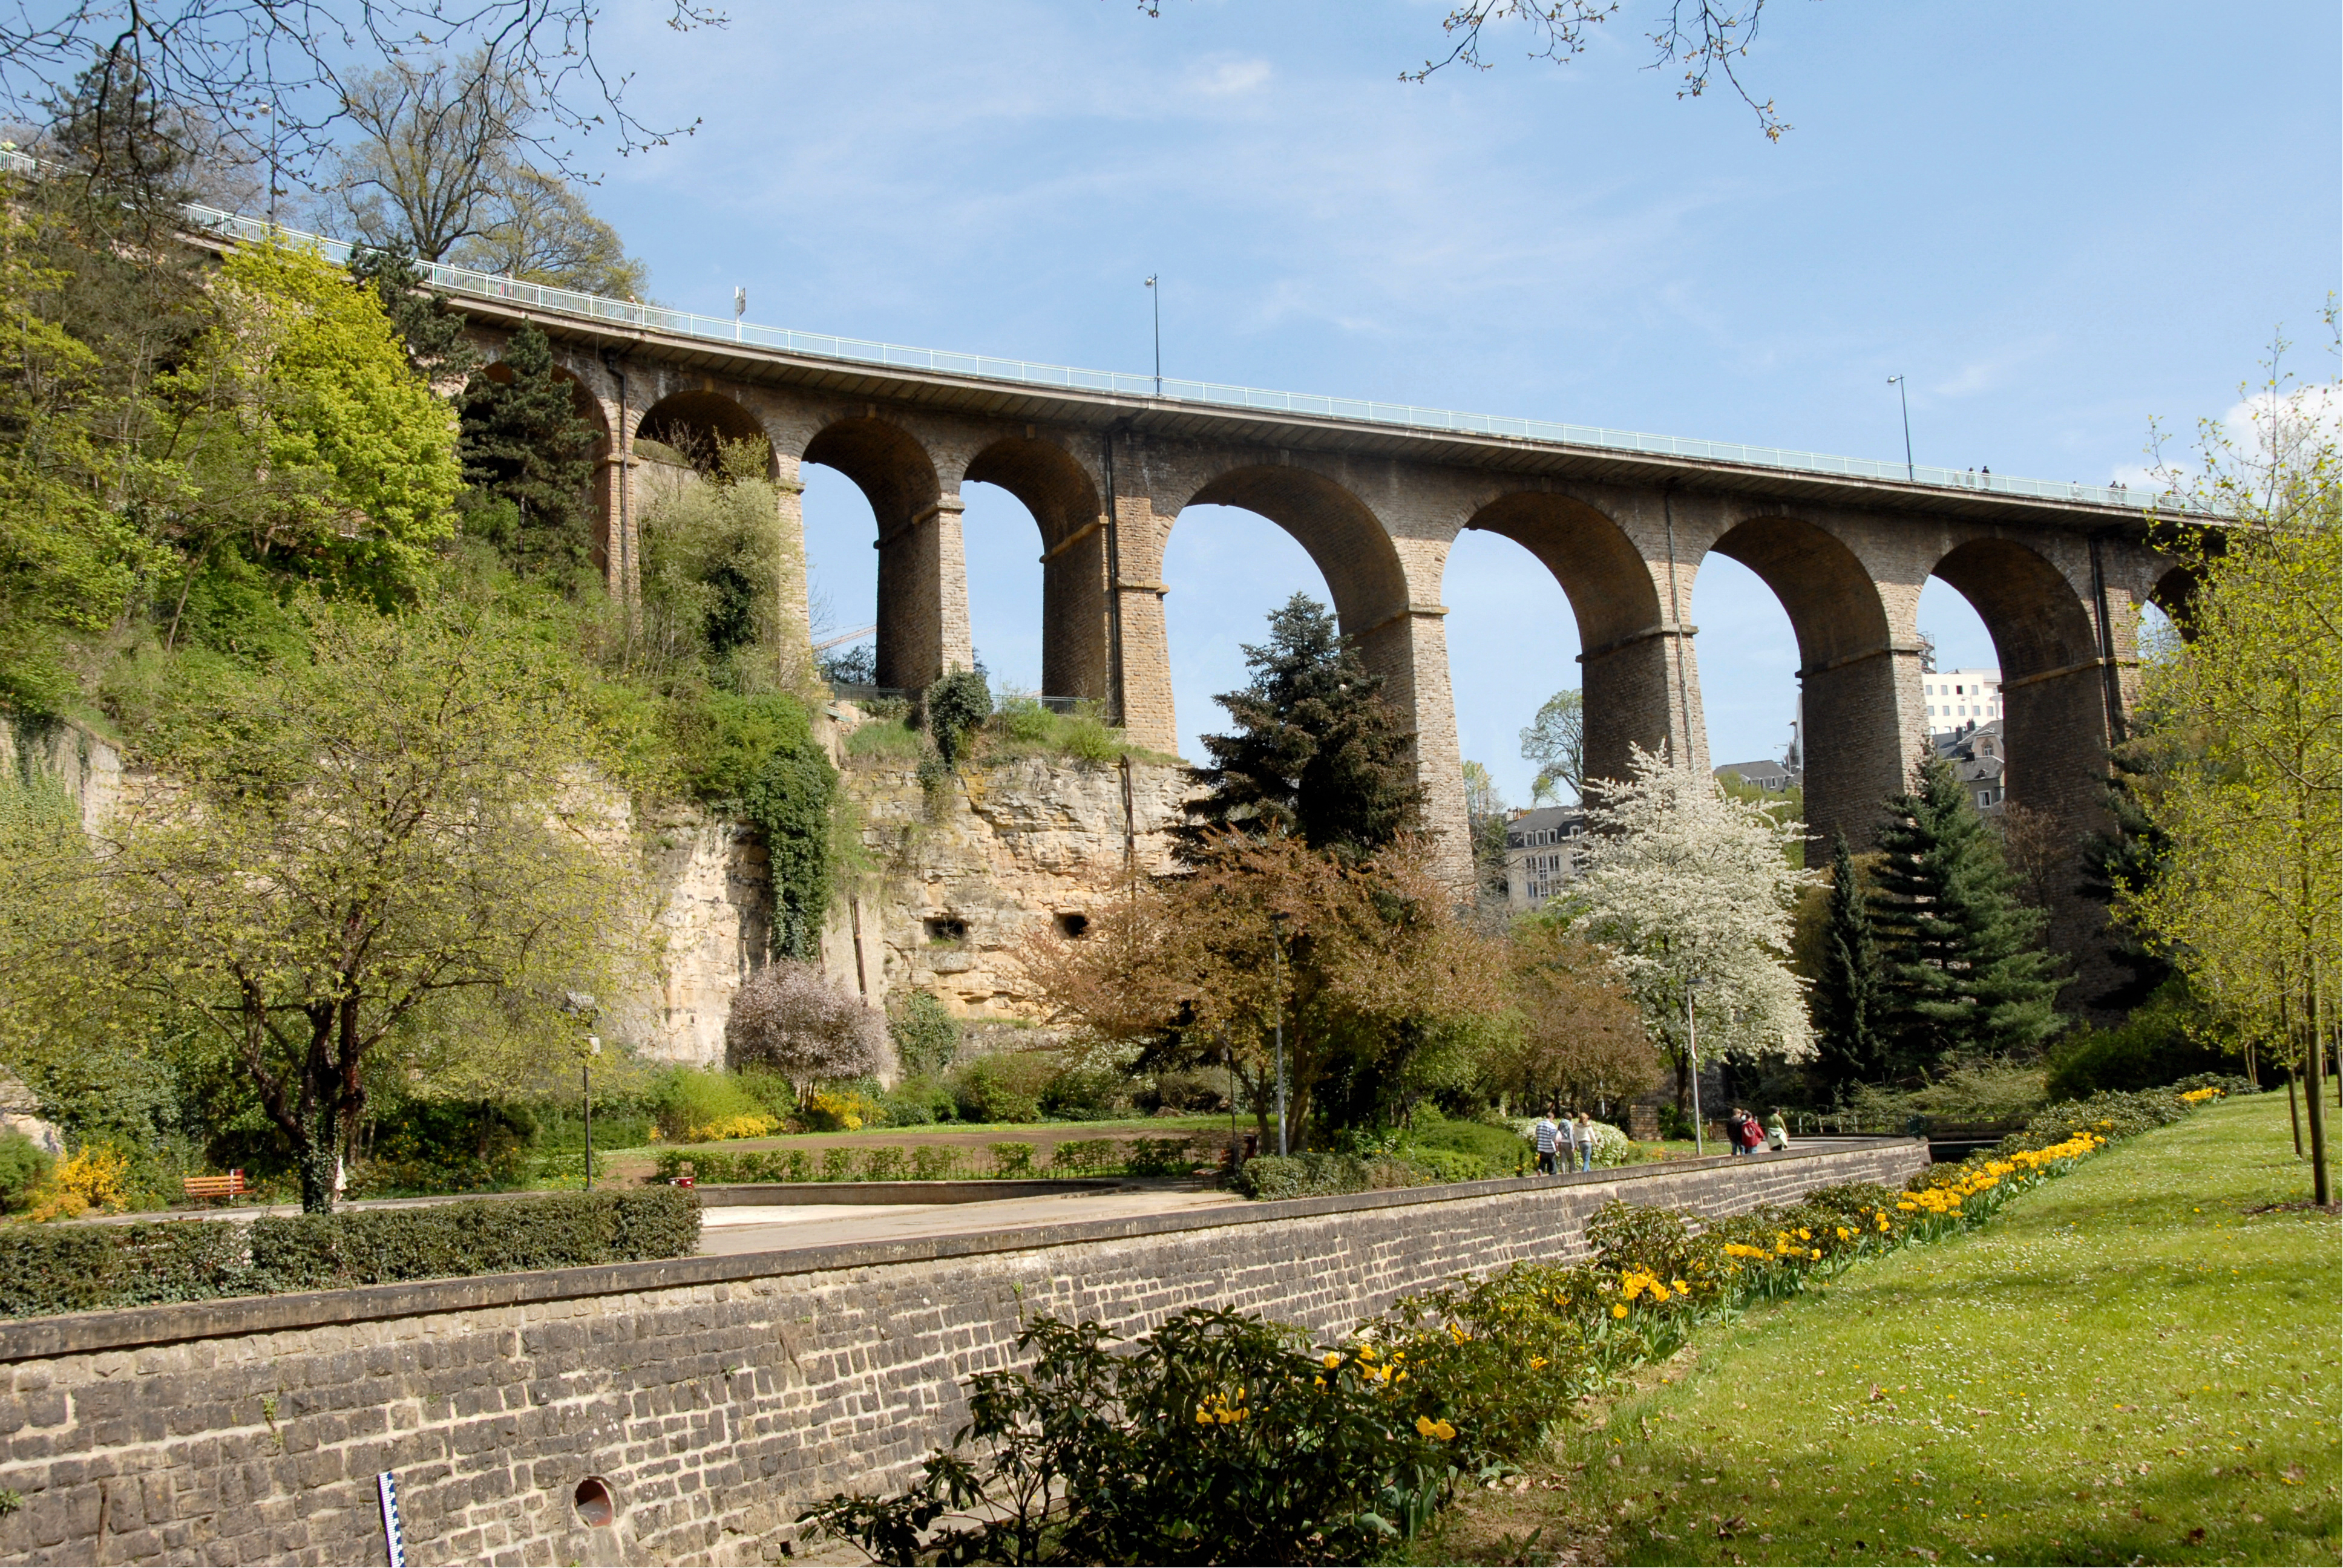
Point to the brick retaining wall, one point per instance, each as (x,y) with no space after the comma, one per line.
(716,1395)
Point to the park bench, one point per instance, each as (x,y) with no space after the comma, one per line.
(228,1186)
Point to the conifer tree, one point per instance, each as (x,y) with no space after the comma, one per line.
(1966,970)
(1850,999)
(432,329)
(1317,751)
(526,456)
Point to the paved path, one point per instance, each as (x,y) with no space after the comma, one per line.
(761,1228)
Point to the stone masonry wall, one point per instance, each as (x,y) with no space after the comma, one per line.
(715,1396)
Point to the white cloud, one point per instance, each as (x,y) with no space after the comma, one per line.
(1223,78)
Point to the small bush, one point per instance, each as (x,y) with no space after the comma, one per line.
(2151,1048)
(1086,1094)
(25,1167)
(95,1177)
(1319,1175)
(934,1162)
(1184,1091)
(837,1164)
(843,1111)
(916,1101)
(882,1165)
(1005,1088)
(926,1035)
(692,1103)
(1498,1149)
(1083,1157)
(957,705)
(82,1268)
(1161,1157)
(791,1020)
(1010,1161)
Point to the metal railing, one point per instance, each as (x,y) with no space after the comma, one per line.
(463,280)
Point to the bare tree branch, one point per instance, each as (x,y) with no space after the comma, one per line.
(273,79)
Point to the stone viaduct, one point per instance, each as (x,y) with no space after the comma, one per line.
(2058,575)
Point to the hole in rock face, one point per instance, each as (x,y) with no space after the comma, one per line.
(946,928)
(1071,924)
(595,1506)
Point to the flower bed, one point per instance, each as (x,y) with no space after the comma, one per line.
(1224,1435)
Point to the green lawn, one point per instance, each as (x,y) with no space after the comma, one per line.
(2136,1363)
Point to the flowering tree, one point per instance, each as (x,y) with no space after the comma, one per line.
(1691,891)
(790,1019)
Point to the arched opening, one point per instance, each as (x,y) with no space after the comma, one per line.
(921,603)
(1224,573)
(1347,551)
(1621,663)
(1850,748)
(2052,690)
(1048,628)
(2170,602)
(682,430)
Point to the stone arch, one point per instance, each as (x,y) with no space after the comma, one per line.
(1849,668)
(923,576)
(1625,655)
(1077,634)
(2054,687)
(691,422)
(1345,538)
(2175,593)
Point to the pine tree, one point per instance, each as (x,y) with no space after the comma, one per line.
(528,455)
(1317,751)
(1966,970)
(432,329)
(1850,999)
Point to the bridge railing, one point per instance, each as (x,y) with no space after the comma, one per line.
(466,281)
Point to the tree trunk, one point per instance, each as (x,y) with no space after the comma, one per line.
(2322,1186)
(320,1155)
(2294,1109)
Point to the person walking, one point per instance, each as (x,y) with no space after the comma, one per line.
(1584,1126)
(1736,1130)
(1777,1132)
(1545,1133)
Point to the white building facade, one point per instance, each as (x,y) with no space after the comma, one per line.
(1961,699)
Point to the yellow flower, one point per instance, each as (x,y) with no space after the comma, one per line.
(1536,1361)
(1331,1359)
(1816,1252)
(1682,1289)
(1806,1236)
(1618,1309)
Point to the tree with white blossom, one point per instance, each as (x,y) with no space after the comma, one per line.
(1691,892)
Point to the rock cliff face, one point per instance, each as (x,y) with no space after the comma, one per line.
(957,881)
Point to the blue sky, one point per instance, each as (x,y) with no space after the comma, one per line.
(2060,222)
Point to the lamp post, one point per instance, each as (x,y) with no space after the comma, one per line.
(1155,298)
(1692,1049)
(740,310)
(1277,987)
(580,1005)
(1906,404)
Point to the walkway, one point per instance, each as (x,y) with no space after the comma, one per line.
(743,1227)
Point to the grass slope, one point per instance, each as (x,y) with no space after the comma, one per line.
(2132,1364)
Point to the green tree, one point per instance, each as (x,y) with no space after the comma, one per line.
(1556,741)
(1484,814)
(1850,996)
(1966,968)
(354,838)
(308,438)
(2248,886)
(1317,751)
(527,454)
(432,328)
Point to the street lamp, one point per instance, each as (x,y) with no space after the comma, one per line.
(1906,403)
(1155,297)
(1692,1049)
(1277,987)
(580,1005)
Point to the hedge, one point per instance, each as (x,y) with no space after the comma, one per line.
(1271,1176)
(1076,1158)
(80,1268)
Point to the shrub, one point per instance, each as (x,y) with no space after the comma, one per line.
(926,1036)
(695,1106)
(957,704)
(1318,1175)
(1083,1157)
(1456,1165)
(447,1146)
(1497,1149)
(837,1164)
(843,1111)
(2151,1048)
(95,1177)
(882,1165)
(934,1162)
(1184,1091)
(916,1101)
(25,1167)
(1161,1157)
(1086,1094)
(1217,1437)
(790,1019)
(1011,1161)
(1004,1088)
(81,1268)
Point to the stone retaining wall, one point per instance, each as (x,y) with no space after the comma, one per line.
(715,1396)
